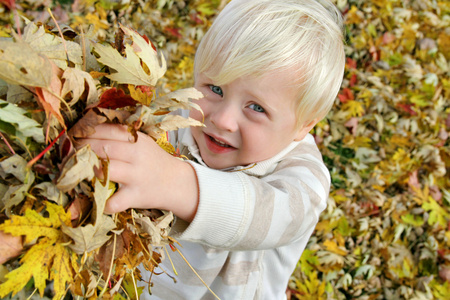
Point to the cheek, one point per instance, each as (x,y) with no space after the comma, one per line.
(196,114)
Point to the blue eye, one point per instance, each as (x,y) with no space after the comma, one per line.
(216,90)
(257,108)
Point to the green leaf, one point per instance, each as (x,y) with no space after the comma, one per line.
(438,215)
(17,118)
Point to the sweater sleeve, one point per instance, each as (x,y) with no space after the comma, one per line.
(242,212)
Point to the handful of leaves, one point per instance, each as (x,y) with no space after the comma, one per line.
(55,87)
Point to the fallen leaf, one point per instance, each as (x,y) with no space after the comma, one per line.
(78,168)
(74,83)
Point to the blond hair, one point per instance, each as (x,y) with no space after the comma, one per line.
(254,37)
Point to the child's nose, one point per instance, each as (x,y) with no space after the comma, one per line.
(225,118)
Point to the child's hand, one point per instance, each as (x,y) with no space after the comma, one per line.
(148,176)
(10,246)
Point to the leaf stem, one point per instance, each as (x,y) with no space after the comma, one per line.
(195,272)
(7,144)
(34,160)
(170,259)
(134,284)
(111,264)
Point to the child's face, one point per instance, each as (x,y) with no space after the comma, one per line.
(247,121)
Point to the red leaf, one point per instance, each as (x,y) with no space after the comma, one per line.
(195,18)
(353,80)
(173,31)
(147,90)
(388,38)
(114,98)
(351,64)
(11,4)
(346,95)
(408,108)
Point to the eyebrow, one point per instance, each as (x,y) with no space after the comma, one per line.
(262,101)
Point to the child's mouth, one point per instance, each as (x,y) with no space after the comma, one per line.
(217,146)
(219,143)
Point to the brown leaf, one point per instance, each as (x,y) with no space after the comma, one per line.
(85,126)
(50,98)
(78,168)
(104,255)
(114,98)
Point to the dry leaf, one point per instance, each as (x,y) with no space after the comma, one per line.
(78,168)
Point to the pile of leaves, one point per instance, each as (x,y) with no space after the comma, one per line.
(386,231)
(56,85)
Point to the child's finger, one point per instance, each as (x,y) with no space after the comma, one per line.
(111,149)
(112,132)
(118,202)
(120,172)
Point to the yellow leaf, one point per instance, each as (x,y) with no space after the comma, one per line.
(62,269)
(164,143)
(333,247)
(49,258)
(139,95)
(32,225)
(355,108)
(34,264)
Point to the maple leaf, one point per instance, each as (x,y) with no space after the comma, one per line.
(50,97)
(140,96)
(164,144)
(115,98)
(179,99)
(74,83)
(156,229)
(15,194)
(438,215)
(85,126)
(92,236)
(155,125)
(49,258)
(21,65)
(52,46)
(129,69)
(79,167)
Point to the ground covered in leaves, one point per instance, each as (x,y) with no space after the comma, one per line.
(386,231)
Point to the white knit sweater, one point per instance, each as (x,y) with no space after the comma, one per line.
(251,226)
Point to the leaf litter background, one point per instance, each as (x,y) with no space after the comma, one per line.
(386,231)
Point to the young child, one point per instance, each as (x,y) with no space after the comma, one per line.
(249,198)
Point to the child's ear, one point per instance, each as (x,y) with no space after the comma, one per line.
(303,131)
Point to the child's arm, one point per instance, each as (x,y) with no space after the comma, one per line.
(241,212)
(148,176)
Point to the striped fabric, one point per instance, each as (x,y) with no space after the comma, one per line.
(251,226)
